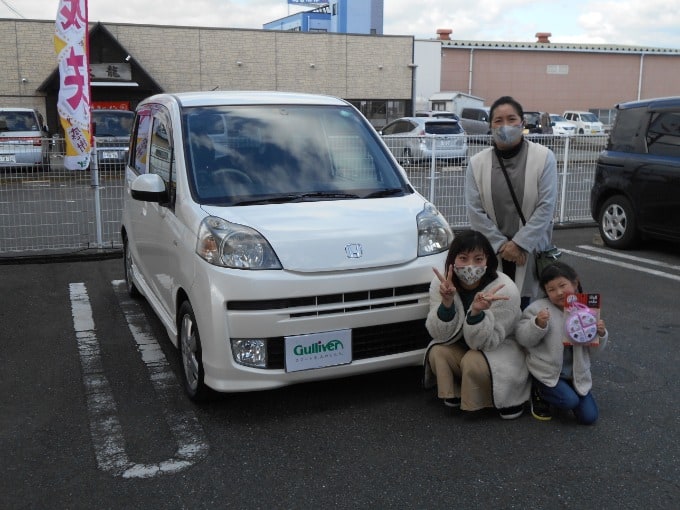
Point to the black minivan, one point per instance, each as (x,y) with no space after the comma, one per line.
(636,191)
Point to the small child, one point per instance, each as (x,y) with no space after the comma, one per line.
(561,372)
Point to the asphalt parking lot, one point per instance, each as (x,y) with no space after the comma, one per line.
(93,415)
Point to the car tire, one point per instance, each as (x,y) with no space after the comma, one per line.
(132,289)
(617,223)
(191,353)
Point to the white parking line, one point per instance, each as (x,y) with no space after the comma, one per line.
(625,265)
(106,431)
(620,255)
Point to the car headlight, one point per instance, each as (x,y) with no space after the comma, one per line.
(251,352)
(434,233)
(226,244)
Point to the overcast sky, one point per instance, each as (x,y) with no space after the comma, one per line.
(653,23)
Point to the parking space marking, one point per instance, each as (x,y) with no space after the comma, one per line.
(618,254)
(625,265)
(106,431)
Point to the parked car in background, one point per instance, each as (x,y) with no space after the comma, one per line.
(586,123)
(561,126)
(475,121)
(636,190)
(537,123)
(23,139)
(277,239)
(112,135)
(416,139)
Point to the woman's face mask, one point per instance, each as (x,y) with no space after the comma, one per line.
(507,136)
(469,275)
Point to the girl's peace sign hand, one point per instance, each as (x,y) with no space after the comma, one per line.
(446,287)
(483,300)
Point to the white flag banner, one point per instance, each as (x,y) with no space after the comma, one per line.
(73,104)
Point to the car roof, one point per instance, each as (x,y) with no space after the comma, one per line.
(244,97)
(433,120)
(653,103)
(17,110)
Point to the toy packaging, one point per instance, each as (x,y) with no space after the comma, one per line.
(582,312)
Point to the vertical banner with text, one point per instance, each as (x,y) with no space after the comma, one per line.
(71,46)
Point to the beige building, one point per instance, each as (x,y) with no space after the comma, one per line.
(382,75)
(130,62)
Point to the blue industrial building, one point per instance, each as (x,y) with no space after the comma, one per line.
(336,16)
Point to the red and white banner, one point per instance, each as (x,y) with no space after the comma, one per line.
(71,46)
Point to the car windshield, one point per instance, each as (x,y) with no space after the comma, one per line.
(18,121)
(443,128)
(239,155)
(557,118)
(113,122)
(589,117)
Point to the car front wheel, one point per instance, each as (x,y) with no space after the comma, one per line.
(617,223)
(191,354)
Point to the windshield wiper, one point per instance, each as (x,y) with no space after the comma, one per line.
(389,192)
(296,197)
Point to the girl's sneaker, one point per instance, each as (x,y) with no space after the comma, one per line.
(540,409)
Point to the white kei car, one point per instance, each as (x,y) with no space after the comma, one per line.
(277,239)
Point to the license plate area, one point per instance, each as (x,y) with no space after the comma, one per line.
(8,158)
(318,350)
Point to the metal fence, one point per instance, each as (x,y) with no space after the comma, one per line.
(45,209)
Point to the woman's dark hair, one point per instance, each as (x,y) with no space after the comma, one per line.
(506,100)
(467,241)
(555,271)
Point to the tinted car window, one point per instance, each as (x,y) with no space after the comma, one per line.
(628,132)
(112,122)
(18,121)
(663,135)
(443,128)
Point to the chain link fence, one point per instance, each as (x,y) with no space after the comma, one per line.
(48,210)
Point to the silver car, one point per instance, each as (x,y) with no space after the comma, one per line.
(112,134)
(418,139)
(23,140)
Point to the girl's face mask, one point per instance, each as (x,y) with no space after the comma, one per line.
(507,136)
(469,275)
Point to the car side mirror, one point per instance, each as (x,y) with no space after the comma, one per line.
(149,188)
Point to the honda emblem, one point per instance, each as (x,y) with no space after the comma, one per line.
(354,251)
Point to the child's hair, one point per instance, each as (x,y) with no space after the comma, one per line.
(555,271)
(466,242)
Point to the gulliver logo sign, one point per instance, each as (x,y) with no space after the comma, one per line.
(305,352)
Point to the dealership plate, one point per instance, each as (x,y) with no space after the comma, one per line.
(318,350)
(109,155)
(8,158)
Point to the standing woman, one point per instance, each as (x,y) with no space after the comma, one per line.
(473,358)
(531,170)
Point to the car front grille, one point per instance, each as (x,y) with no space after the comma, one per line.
(327,304)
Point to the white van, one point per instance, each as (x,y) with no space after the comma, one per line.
(586,123)
(277,239)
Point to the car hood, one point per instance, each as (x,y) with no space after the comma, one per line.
(335,235)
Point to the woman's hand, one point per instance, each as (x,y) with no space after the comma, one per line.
(483,300)
(542,318)
(512,252)
(446,287)
(601,328)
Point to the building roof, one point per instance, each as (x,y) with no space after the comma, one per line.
(570,47)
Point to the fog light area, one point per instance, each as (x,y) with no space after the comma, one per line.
(250,352)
